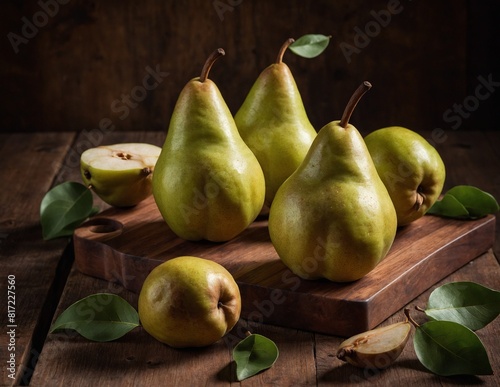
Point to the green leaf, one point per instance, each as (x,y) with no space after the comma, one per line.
(466,303)
(447,348)
(465,202)
(254,354)
(310,46)
(477,202)
(64,208)
(449,207)
(98,317)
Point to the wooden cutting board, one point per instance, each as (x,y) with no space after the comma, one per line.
(124,245)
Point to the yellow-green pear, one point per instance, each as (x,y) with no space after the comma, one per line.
(207,182)
(411,169)
(189,302)
(274,124)
(120,174)
(333,217)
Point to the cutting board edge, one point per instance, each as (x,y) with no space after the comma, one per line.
(130,271)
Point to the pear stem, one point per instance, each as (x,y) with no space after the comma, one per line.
(283,48)
(360,91)
(209,63)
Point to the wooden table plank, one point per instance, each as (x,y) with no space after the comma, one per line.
(28,166)
(473,158)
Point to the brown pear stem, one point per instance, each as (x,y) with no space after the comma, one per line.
(283,48)
(209,63)
(360,91)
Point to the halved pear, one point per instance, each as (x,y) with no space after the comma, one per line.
(120,174)
(378,348)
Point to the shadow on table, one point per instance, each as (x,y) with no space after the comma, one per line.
(351,374)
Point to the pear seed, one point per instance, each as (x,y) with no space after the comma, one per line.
(123,155)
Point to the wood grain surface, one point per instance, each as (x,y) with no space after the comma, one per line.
(35,264)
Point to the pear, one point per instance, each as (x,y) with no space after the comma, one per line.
(411,169)
(120,174)
(377,348)
(207,183)
(333,217)
(189,302)
(274,124)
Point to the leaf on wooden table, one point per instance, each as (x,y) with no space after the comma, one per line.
(64,208)
(254,354)
(310,46)
(466,303)
(447,348)
(98,317)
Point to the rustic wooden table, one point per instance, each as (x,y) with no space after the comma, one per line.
(46,282)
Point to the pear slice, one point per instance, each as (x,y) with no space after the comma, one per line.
(377,348)
(120,174)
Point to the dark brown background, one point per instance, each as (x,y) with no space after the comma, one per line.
(75,70)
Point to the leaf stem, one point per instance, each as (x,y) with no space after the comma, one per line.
(360,91)
(283,48)
(407,314)
(209,63)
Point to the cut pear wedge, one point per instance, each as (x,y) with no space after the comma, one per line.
(120,174)
(377,348)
